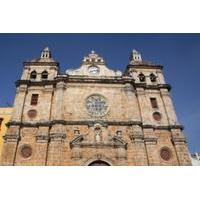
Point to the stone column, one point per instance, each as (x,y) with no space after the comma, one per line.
(76,153)
(168,105)
(180,145)
(151,147)
(47,103)
(60,87)
(161,79)
(139,153)
(19,103)
(56,144)
(144,106)
(11,140)
(132,110)
(42,140)
(25,75)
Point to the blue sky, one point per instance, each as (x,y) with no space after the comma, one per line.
(178,53)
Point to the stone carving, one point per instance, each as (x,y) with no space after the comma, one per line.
(42,138)
(98,134)
(115,141)
(11,138)
(57,137)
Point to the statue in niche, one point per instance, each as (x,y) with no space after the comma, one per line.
(76,132)
(119,134)
(98,135)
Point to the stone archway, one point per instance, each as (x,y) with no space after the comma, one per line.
(99,163)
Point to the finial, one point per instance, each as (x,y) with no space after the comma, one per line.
(92,52)
(46,49)
(134,51)
(46,53)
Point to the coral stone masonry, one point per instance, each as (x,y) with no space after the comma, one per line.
(93,116)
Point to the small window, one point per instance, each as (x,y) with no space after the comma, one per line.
(154,103)
(44,75)
(26,151)
(152,78)
(165,153)
(157,116)
(34,99)
(142,77)
(32,114)
(33,75)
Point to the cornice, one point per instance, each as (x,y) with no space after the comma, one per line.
(11,138)
(41,64)
(145,66)
(179,140)
(92,123)
(122,80)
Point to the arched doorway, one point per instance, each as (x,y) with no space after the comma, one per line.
(98,163)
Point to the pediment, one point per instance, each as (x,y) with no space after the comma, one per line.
(93,66)
(114,142)
(118,141)
(77,140)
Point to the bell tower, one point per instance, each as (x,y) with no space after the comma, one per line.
(40,69)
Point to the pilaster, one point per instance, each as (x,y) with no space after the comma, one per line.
(60,88)
(47,103)
(180,144)
(139,154)
(171,115)
(11,140)
(56,145)
(19,102)
(144,106)
(151,146)
(41,147)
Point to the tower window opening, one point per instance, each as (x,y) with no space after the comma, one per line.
(142,77)
(44,75)
(33,75)
(152,78)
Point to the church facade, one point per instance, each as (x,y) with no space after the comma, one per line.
(93,115)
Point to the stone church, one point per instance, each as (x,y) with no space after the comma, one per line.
(93,116)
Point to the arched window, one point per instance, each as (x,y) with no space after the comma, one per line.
(33,75)
(44,75)
(152,78)
(142,77)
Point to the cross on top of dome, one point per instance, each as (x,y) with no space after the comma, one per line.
(93,57)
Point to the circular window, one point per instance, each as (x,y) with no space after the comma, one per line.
(157,116)
(32,113)
(96,105)
(26,151)
(165,153)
